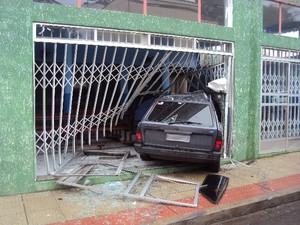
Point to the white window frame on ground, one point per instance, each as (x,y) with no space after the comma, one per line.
(280,94)
(62,134)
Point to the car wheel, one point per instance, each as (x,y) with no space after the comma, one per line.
(145,157)
(215,167)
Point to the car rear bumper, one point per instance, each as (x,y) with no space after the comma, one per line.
(177,154)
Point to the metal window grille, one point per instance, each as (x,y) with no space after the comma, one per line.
(280,95)
(85,80)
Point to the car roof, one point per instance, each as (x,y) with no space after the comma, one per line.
(195,97)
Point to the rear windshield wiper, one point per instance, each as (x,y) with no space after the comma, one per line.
(185,122)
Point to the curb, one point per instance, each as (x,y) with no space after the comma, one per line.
(243,208)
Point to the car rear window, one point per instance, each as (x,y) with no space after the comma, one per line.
(181,112)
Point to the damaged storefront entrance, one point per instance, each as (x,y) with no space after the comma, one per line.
(92,85)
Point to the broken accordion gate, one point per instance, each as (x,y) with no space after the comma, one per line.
(86,79)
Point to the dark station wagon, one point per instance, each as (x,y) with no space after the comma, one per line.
(181,127)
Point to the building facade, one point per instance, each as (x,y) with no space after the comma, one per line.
(71,70)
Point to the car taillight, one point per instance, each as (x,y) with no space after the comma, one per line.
(138,136)
(218,145)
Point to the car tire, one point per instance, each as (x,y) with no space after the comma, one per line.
(145,157)
(215,167)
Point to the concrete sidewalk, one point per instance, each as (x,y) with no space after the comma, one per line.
(263,183)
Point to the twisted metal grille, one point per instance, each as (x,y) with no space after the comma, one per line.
(97,94)
(83,90)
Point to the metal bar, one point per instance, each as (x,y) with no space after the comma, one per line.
(125,85)
(173,179)
(81,170)
(97,94)
(75,173)
(263,99)
(191,60)
(185,75)
(122,163)
(132,183)
(145,80)
(196,74)
(276,59)
(106,90)
(157,176)
(175,79)
(288,105)
(196,194)
(53,108)
(170,73)
(95,41)
(90,188)
(158,200)
(125,45)
(193,73)
(113,94)
(79,99)
(80,94)
(227,98)
(162,72)
(116,44)
(135,80)
(34,99)
(42,24)
(44,109)
(70,103)
(62,98)
(84,174)
(149,181)
(89,93)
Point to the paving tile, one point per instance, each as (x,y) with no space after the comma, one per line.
(250,175)
(234,180)
(11,204)
(284,165)
(18,218)
(76,203)
(282,183)
(138,216)
(46,216)
(40,201)
(42,208)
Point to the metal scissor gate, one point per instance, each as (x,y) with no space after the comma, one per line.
(280,100)
(87,80)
